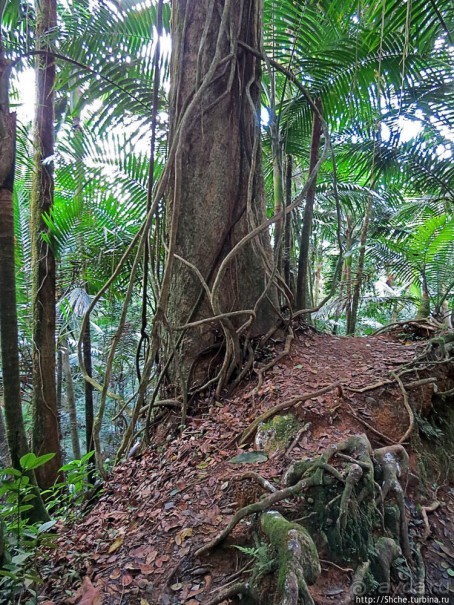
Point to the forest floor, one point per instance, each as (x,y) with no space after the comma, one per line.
(137,545)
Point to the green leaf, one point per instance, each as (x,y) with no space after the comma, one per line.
(31,461)
(25,508)
(46,526)
(8,574)
(11,471)
(19,559)
(87,456)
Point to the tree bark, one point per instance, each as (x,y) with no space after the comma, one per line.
(17,442)
(45,414)
(302,287)
(215,196)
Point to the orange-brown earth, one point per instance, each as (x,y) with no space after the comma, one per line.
(137,544)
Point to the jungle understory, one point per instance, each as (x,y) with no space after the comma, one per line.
(326,477)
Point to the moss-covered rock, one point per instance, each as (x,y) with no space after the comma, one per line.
(275,434)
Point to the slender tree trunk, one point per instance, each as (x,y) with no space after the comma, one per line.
(348,271)
(423,311)
(89,410)
(216,193)
(278,191)
(5,459)
(59,379)
(17,442)
(287,252)
(45,414)
(302,288)
(71,401)
(351,324)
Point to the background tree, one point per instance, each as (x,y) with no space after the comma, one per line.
(17,442)
(45,413)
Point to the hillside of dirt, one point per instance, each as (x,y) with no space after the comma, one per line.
(138,543)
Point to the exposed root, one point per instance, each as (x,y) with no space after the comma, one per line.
(258,479)
(387,551)
(298,562)
(280,407)
(392,464)
(408,407)
(420,573)
(273,362)
(369,427)
(354,475)
(336,491)
(415,323)
(343,569)
(357,587)
(428,509)
(256,507)
(240,588)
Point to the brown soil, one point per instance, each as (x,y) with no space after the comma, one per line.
(137,545)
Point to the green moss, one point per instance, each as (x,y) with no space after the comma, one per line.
(280,533)
(276,433)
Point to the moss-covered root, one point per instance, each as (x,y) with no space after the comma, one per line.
(391,466)
(297,558)
(386,550)
(358,448)
(354,476)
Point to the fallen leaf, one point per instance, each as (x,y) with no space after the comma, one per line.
(115,574)
(115,545)
(126,580)
(88,593)
(182,535)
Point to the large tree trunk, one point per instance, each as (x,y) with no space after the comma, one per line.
(8,314)
(45,414)
(215,196)
(15,430)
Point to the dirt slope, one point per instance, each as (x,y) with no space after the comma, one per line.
(137,544)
